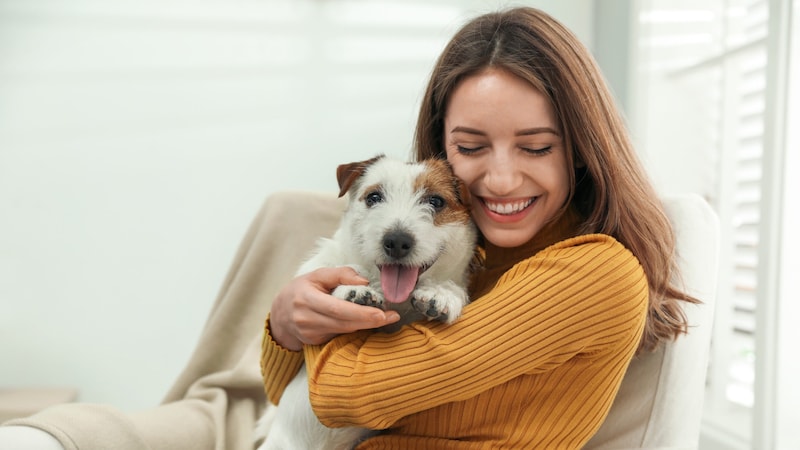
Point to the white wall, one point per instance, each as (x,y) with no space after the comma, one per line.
(138,139)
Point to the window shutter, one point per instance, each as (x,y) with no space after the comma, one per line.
(714,54)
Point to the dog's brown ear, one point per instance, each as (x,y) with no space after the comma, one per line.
(347,174)
(460,187)
(463,192)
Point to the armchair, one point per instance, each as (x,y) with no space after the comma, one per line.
(216,400)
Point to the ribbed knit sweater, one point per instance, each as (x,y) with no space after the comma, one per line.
(534,362)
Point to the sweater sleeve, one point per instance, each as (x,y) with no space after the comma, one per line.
(581,296)
(278,365)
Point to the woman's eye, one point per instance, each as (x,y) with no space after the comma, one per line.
(373,198)
(538,151)
(437,202)
(467,150)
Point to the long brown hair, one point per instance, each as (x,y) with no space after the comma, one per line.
(610,188)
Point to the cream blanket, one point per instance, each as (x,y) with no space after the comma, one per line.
(216,400)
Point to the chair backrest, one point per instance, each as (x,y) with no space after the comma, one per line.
(660,402)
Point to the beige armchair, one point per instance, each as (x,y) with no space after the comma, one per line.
(217,398)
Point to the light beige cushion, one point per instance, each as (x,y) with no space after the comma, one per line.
(660,403)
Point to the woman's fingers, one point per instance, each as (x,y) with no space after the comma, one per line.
(328,278)
(339,316)
(304,312)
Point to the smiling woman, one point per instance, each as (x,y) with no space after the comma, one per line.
(573,281)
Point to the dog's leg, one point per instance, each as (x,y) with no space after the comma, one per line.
(363,295)
(440,300)
(296,427)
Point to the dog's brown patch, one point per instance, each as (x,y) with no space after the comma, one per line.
(440,180)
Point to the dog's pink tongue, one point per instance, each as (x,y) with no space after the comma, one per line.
(398,281)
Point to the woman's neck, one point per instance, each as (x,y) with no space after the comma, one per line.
(497,260)
(565,227)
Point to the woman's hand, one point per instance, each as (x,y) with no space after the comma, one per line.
(304,312)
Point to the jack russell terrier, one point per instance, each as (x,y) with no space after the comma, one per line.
(407,229)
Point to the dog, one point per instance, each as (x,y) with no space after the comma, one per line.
(407,229)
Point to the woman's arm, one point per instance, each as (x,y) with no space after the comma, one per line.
(584,295)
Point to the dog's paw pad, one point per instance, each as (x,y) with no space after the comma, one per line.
(366,298)
(361,295)
(430,308)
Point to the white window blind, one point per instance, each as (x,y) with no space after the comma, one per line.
(712,55)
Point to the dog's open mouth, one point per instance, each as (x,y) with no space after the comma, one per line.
(397,281)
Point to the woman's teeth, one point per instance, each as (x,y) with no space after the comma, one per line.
(508,208)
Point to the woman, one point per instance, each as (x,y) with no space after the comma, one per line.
(578,262)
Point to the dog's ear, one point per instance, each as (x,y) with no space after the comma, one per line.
(461,189)
(347,174)
(463,192)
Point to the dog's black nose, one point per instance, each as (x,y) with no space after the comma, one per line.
(397,244)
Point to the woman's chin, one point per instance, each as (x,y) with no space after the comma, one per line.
(508,238)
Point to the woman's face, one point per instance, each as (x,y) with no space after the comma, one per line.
(502,140)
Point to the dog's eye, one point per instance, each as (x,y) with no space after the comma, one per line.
(437,202)
(372,198)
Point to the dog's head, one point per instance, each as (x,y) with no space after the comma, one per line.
(406,218)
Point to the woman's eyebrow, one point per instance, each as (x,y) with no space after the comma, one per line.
(467,130)
(537,130)
(524,132)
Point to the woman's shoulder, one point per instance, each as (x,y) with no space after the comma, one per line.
(597,261)
(597,265)
(591,255)
(590,279)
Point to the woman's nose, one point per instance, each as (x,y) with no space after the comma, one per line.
(503,176)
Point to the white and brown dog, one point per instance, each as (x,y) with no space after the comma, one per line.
(407,229)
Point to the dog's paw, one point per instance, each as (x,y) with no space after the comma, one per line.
(439,302)
(428,307)
(362,295)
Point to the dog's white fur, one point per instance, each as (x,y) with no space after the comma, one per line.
(427,205)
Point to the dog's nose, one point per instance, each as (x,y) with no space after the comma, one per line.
(397,244)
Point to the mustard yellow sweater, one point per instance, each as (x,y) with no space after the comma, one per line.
(533,363)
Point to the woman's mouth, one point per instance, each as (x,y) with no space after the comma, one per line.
(507,211)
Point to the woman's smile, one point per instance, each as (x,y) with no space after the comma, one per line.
(507,210)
